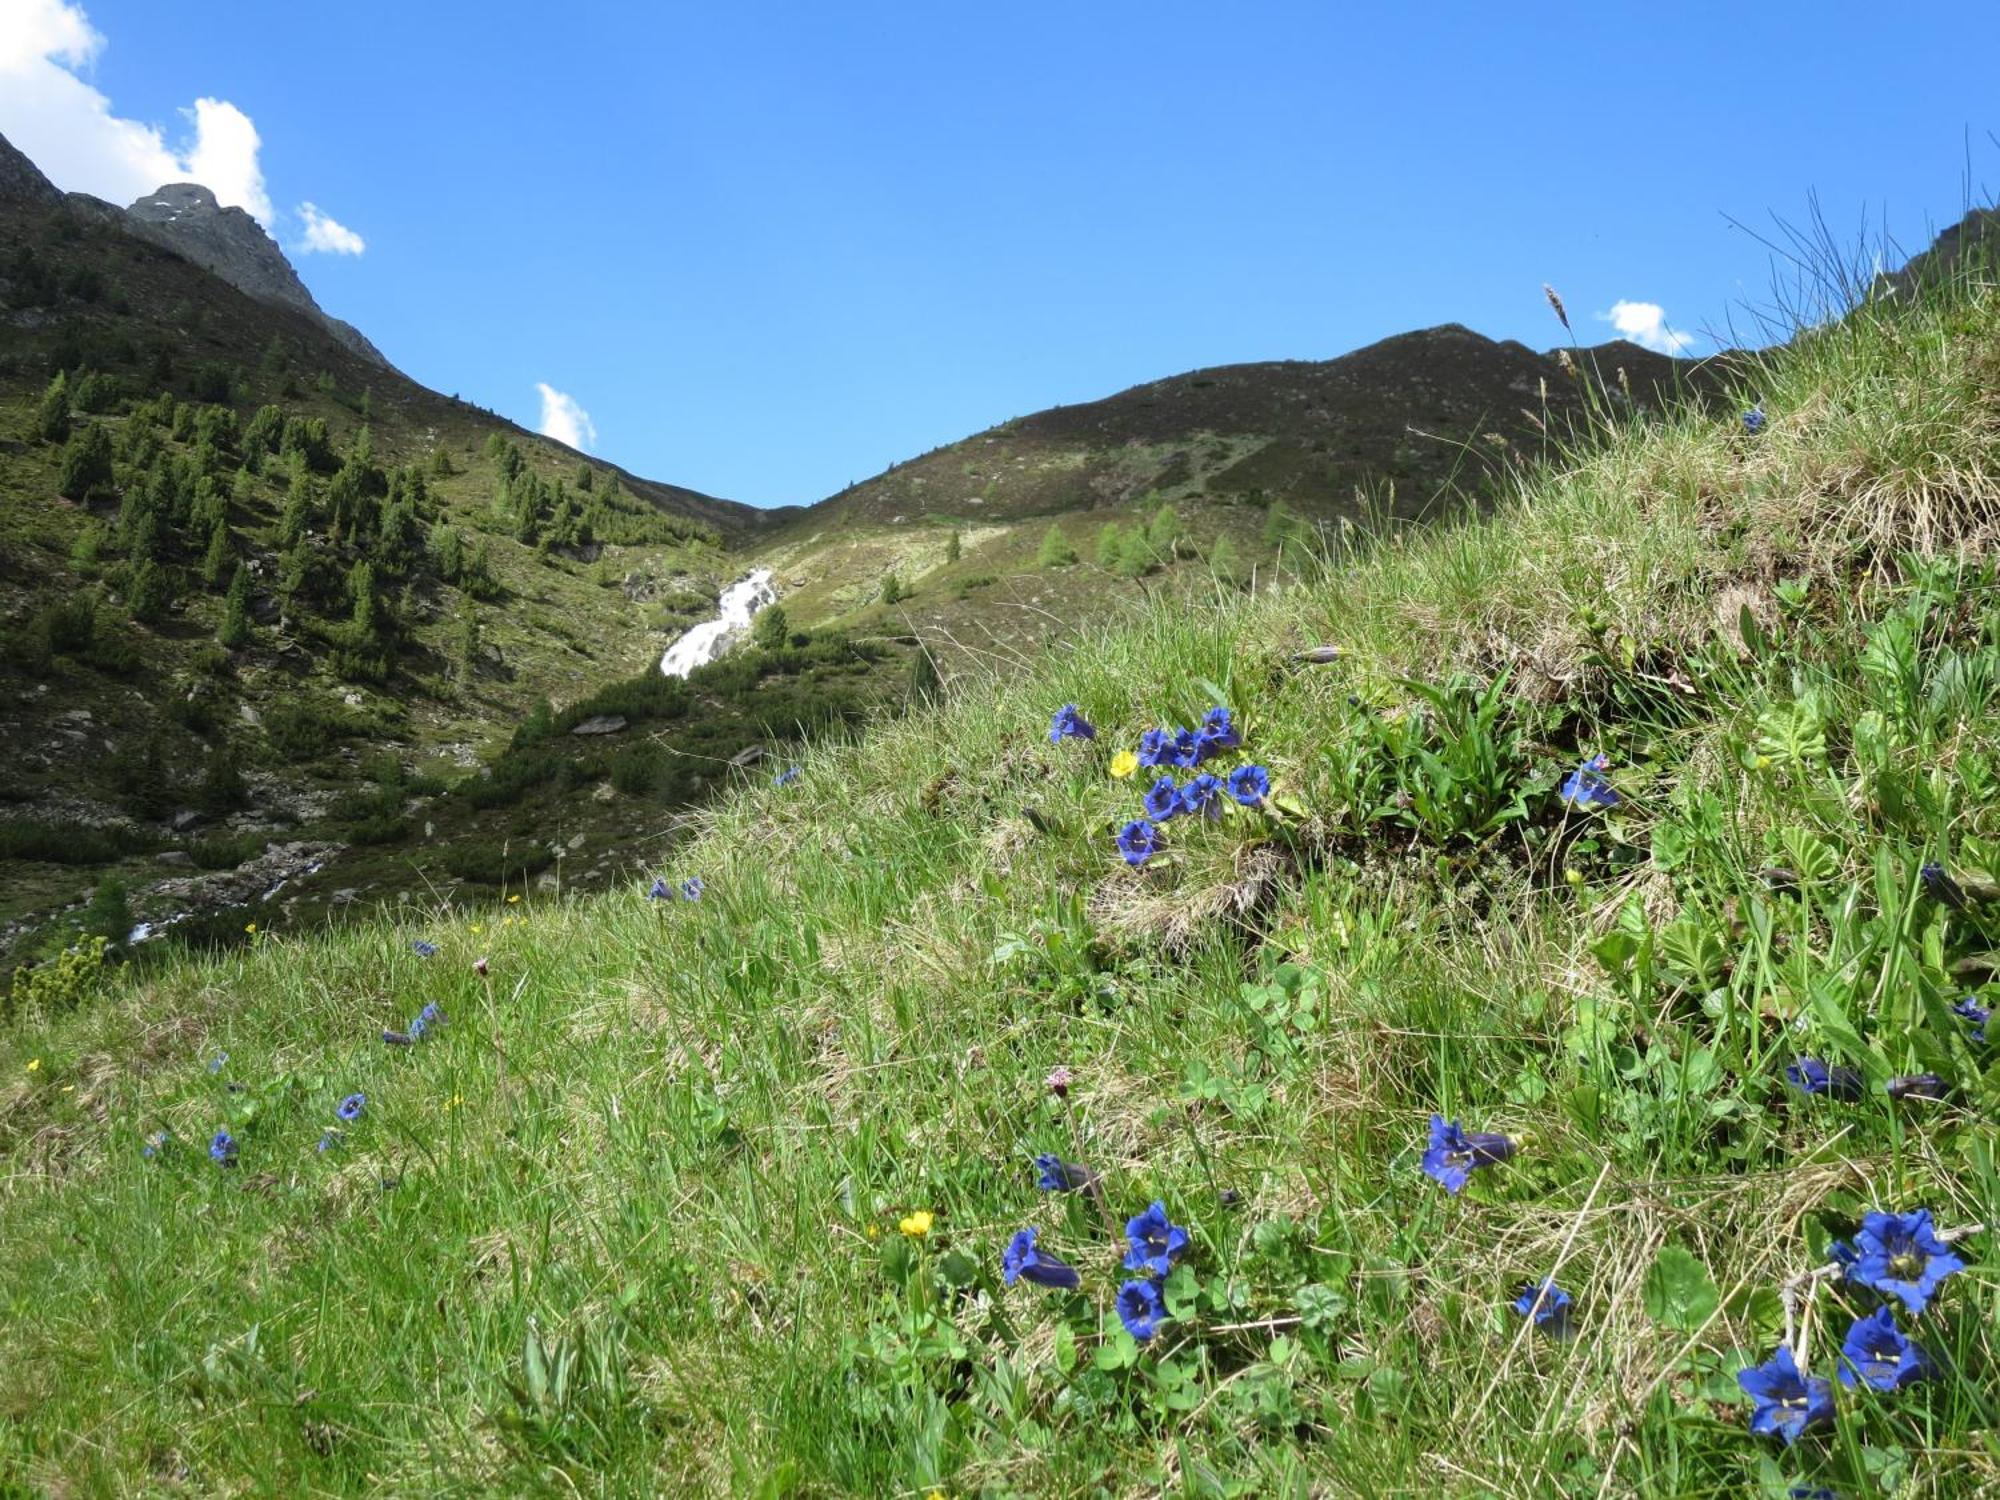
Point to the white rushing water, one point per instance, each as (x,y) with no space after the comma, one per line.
(708,640)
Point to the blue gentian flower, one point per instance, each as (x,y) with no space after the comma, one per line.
(1054,1175)
(691,888)
(1787,1402)
(398,1038)
(1155,1242)
(1202,796)
(215,1063)
(1811,1076)
(155,1144)
(1842,1253)
(1218,731)
(350,1109)
(1925,1086)
(431,1016)
(327,1141)
(1187,749)
(222,1149)
(1900,1255)
(1941,887)
(659,890)
(1970,1009)
(1546,1303)
(1021,1258)
(1455,1153)
(1141,1309)
(1138,841)
(1880,1355)
(1753,419)
(1250,785)
(1162,800)
(1586,788)
(1811,1492)
(786,777)
(1070,724)
(423,949)
(1156,748)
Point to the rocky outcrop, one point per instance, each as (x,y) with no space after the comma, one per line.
(185,218)
(21,181)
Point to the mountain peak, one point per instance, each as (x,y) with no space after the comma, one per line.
(22,182)
(185,217)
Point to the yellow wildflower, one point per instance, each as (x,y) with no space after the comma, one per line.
(251,928)
(916,1225)
(1123,764)
(34,1065)
(474,929)
(874,1231)
(513,900)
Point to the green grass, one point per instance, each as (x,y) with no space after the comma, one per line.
(629,1223)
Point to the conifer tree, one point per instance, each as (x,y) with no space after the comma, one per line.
(1055,552)
(1223,563)
(235,631)
(1110,541)
(467,643)
(892,590)
(52,417)
(86,462)
(216,559)
(772,629)
(953,549)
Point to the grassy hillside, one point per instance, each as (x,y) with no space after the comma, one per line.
(713,1196)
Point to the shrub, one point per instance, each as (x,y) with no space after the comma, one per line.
(1055,551)
(62,984)
(491,862)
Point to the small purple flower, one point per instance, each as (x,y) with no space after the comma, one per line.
(786,777)
(1753,419)
(659,890)
(431,1016)
(1141,1309)
(327,1141)
(1809,1075)
(1155,1242)
(397,1038)
(1138,841)
(1924,1086)
(1586,788)
(1219,732)
(423,949)
(1070,724)
(217,1062)
(691,888)
(419,1029)
(1250,785)
(1021,1258)
(1054,1175)
(222,1148)
(1455,1153)
(1156,748)
(1787,1402)
(1187,749)
(1900,1255)
(1880,1355)
(1547,1304)
(1163,800)
(1969,1009)
(1941,888)
(1202,797)
(350,1109)
(1059,1080)
(155,1144)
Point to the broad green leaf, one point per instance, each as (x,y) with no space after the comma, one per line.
(1678,1292)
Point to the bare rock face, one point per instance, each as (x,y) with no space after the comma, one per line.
(21,181)
(185,218)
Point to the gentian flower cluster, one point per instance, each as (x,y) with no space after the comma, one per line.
(1546,1305)
(423,949)
(420,1027)
(1903,1260)
(1153,1244)
(786,777)
(222,1148)
(1022,1260)
(1753,419)
(688,890)
(1054,1175)
(1169,748)
(1969,1009)
(1809,1075)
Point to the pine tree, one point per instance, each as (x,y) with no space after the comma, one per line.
(109,914)
(1278,525)
(892,590)
(1164,532)
(952,549)
(1135,554)
(1110,542)
(86,462)
(361,588)
(52,419)
(772,629)
(235,631)
(441,465)
(89,544)
(150,592)
(216,559)
(222,789)
(925,686)
(1055,552)
(584,478)
(447,552)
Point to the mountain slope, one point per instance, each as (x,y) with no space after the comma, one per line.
(733,1196)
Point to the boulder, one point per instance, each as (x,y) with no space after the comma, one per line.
(600,724)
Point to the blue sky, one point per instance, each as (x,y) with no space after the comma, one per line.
(772,249)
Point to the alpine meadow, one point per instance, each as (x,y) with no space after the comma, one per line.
(1417,923)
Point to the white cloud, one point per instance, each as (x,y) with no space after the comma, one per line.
(327,234)
(1645,324)
(67,128)
(563,419)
